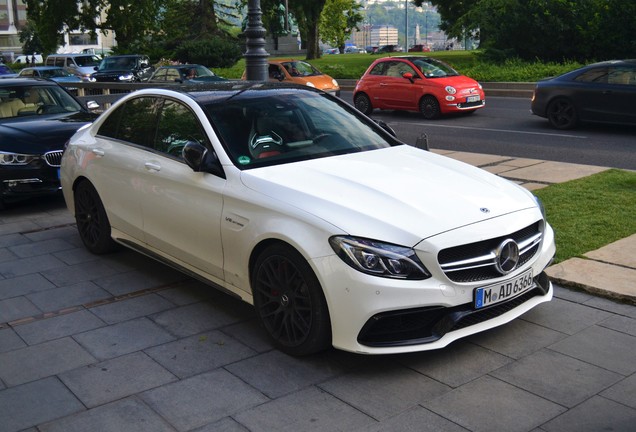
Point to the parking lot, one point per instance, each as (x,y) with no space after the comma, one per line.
(121,343)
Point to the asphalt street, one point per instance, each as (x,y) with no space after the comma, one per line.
(506,127)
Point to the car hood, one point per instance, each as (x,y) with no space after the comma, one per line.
(322,82)
(400,194)
(67,79)
(458,81)
(46,133)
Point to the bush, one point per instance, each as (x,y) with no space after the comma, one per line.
(215,53)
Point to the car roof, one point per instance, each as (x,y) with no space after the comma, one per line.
(181,66)
(20,81)
(631,62)
(42,68)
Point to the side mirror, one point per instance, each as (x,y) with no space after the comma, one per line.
(408,76)
(96,68)
(200,159)
(92,105)
(386,127)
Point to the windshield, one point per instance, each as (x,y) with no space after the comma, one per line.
(432,68)
(5,70)
(88,60)
(268,127)
(300,68)
(35,100)
(54,73)
(196,72)
(118,63)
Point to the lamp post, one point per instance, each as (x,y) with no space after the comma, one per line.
(406,25)
(255,55)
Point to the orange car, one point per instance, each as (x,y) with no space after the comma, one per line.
(300,72)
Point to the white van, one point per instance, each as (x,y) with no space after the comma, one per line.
(82,65)
(29,59)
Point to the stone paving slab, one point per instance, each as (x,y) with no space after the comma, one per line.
(596,277)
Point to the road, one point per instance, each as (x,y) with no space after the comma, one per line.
(506,127)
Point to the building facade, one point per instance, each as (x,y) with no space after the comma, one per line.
(13,18)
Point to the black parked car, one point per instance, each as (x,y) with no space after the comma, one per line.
(123,68)
(37,117)
(184,73)
(601,92)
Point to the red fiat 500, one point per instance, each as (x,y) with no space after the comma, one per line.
(416,83)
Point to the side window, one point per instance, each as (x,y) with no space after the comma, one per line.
(378,69)
(172,75)
(396,69)
(134,122)
(160,75)
(177,126)
(622,76)
(596,75)
(59,61)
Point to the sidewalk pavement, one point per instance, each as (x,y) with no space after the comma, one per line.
(609,271)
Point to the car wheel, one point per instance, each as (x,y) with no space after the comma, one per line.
(92,221)
(429,107)
(363,104)
(289,301)
(561,114)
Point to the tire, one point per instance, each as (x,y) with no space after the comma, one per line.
(92,222)
(289,301)
(363,104)
(429,107)
(561,114)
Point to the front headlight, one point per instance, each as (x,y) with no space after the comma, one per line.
(540,204)
(310,84)
(378,258)
(334,82)
(451,90)
(7,158)
(127,77)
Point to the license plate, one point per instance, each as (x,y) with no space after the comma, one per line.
(472,98)
(493,294)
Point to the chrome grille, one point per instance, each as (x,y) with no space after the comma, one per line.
(53,158)
(476,261)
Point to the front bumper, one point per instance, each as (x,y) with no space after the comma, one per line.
(24,182)
(374,315)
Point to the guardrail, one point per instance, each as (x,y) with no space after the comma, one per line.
(107,93)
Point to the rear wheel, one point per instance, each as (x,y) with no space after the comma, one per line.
(363,103)
(561,114)
(289,301)
(429,107)
(92,222)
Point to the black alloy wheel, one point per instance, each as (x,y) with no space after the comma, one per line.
(92,221)
(561,114)
(289,301)
(429,107)
(363,104)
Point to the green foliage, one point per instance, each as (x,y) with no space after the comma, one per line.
(338,19)
(592,212)
(215,52)
(547,29)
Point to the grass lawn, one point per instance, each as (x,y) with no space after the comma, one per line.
(470,63)
(591,212)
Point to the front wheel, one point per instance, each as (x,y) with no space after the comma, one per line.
(429,107)
(92,222)
(363,104)
(289,301)
(561,114)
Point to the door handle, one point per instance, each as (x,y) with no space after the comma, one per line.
(152,166)
(98,152)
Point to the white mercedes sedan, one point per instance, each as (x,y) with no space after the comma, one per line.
(290,199)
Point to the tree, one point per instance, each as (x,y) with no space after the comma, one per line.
(338,20)
(48,19)
(131,20)
(307,14)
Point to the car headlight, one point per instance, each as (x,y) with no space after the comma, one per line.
(334,82)
(451,90)
(7,158)
(127,77)
(540,204)
(378,258)
(310,84)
